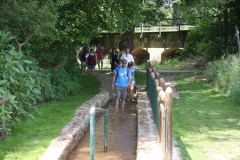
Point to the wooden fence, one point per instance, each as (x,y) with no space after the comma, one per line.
(161,100)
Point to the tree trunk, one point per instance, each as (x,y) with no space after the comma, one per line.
(127,39)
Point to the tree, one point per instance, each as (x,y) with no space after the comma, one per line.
(224,13)
(27,19)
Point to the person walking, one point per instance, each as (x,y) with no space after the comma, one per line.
(132,87)
(83,58)
(128,56)
(114,59)
(91,61)
(121,80)
(100,56)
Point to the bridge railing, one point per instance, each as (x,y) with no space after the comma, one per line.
(163,28)
(160,99)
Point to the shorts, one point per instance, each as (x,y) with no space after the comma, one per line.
(100,60)
(121,92)
(83,63)
(91,67)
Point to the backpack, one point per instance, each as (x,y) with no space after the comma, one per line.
(117,70)
(82,56)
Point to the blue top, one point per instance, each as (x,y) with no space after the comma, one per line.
(133,69)
(122,75)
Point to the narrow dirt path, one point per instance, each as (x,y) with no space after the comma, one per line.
(122,133)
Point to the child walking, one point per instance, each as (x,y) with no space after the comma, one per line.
(132,86)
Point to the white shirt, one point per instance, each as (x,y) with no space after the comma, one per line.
(128,57)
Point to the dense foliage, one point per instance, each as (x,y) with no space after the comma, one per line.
(216,20)
(223,74)
(39,40)
(26,84)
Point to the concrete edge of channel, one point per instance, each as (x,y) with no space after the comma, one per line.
(148,138)
(61,147)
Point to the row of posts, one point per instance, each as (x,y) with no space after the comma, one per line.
(163,119)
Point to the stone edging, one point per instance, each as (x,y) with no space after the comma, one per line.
(72,133)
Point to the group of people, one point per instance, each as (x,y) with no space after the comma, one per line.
(89,59)
(122,66)
(123,79)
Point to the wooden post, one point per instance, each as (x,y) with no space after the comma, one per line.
(156,83)
(161,97)
(162,83)
(152,76)
(168,105)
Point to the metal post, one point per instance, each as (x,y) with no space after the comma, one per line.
(105,131)
(92,130)
(237,35)
(92,133)
(141,35)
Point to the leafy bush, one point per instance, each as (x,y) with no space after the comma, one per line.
(170,53)
(204,41)
(26,84)
(224,75)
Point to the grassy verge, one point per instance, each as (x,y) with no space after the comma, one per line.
(205,123)
(31,137)
(176,64)
(141,78)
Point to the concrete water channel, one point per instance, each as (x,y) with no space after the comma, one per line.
(131,135)
(122,136)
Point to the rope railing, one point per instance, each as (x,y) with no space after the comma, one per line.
(161,99)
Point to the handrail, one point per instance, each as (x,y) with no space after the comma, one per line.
(163,28)
(172,28)
(92,130)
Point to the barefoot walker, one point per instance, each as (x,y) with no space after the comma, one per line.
(121,80)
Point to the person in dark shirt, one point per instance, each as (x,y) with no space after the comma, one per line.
(114,59)
(91,61)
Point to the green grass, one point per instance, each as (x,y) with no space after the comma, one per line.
(141,78)
(205,123)
(31,137)
(176,64)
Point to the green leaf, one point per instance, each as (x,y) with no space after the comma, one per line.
(17,70)
(12,80)
(27,61)
(36,91)
(3,81)
(21,68)
(13,52)
(2,91)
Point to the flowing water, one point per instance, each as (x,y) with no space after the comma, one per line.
(122,136)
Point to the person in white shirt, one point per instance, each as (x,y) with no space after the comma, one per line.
(128,56)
